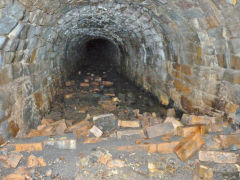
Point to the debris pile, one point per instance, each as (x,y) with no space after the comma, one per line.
(202,144)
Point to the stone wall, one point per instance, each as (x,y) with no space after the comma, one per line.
(184,50)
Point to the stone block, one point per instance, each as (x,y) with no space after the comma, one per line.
(28,147)
(106,122)
(188,146)
(235,62)
(2,41)
(187,130)
(229,140)
(160,130)
(130,124)
(132,132)
(11,45)
(192,119)
(218,157)
(7,24)
(15,33)
(6,75)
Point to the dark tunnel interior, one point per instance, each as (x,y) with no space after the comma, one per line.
(99,51)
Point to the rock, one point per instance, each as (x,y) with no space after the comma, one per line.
(130,132)
(106,122)
(96,131)
(129,124)
(13,160)
(188,146)
(160,130)
(218,157)
(116,163)
(187,130)
(28,147)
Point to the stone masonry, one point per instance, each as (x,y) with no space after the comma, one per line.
(185,51)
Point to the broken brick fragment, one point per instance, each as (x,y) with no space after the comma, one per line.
(130,132)
(84,84)
(107,83)
(28,147)
(129,124)
(96,131)
(160,130)
(187,130)
(13,160)
(218,157)
(188,146)
(34,161)
(227,140)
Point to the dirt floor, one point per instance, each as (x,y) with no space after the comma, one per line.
(101,126)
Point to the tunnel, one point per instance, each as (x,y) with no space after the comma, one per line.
(185,53)
(99,50)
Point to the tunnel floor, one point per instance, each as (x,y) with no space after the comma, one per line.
(99,90)
(96,129)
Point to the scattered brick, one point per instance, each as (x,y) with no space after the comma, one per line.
(188,146)
(130,132)
(28,147)
(218,157)
(96,131)
(160,130)
(130,124)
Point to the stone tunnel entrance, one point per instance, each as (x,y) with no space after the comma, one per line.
(141,89)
